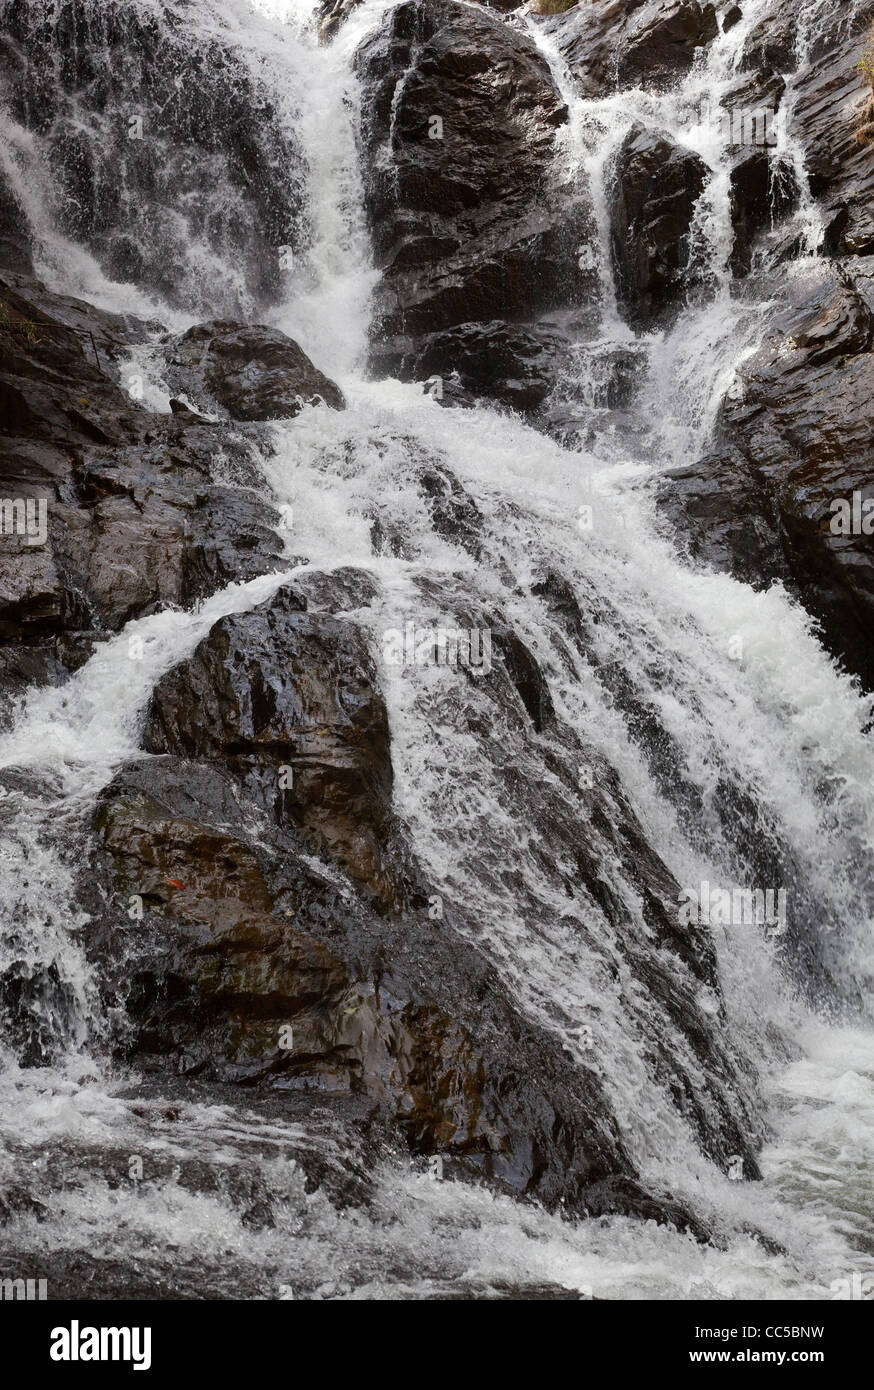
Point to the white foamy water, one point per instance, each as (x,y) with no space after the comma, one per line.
(746,698)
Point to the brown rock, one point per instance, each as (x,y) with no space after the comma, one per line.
(278,689)
(253,373)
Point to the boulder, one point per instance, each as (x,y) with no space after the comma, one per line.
(289,701)
(252,372)
(488,361)
(655,189)
(248,966)
(459,116)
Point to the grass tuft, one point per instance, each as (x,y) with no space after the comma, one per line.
(865,123)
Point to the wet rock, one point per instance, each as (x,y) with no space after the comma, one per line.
(619,44)
(460,114)
(727,517)
(253,373)
(343,590)
(15,238)
(772,42)
(125,108)
(126,510)
(656,187)
(662,45)
(758,198)
(332,15)
(800,418)
(488,361)
(831,99)
(732,16)
(527,677)
(240,939)
(289,700)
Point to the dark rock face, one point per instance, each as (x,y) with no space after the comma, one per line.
(15,240)
(133,515)
(284,689)
(253,373)
(632,43)
(662,45)
(126,110)
(459,120)
(762,191)
(731,17)
(801,422)
(489,361)
(772,43)
(232,987)
(657,185)
(727,517)
(250,967)
(832,95)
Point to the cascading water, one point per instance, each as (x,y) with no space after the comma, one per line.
(780,729)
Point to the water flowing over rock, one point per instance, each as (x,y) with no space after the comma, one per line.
(125,106)
(435,844)
(618,44)
(799,426)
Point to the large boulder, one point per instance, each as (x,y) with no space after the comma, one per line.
(252,372)
(488,361)
(229,979)
(460,113)
(656,186)
(288,700)
(244,964)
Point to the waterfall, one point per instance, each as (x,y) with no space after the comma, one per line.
(696,735)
